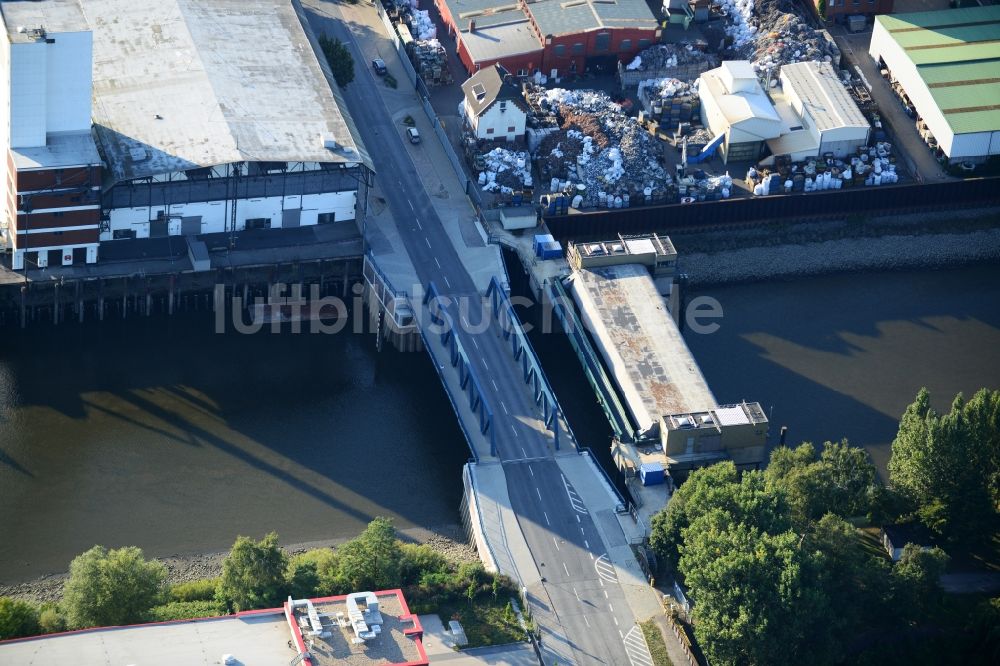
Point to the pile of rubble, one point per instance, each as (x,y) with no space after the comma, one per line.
(598,152)
(505,171)
(666,56)
(871,166)
(770,34)
(422,26)
(430,60)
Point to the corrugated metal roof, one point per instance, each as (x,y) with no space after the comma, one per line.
(176,82)
(560,17)
(500,41)
(823,95)
(957,54)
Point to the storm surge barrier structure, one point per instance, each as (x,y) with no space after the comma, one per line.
(605,391)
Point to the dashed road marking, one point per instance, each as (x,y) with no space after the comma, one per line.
(525,454)
(586,621)
(565,568)
(539,493)
(586,545)
(438,262)
(514,430)
(474,343)
(504,407)
(556,542)
(447,281)
(636,648)
(428,241)
(546,518)
(495,387)
(531,471)
(605,569)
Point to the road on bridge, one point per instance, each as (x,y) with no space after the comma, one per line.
(579,606)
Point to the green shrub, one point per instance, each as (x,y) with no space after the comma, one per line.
(110,587)
(303,581)
(184,610)
(253,574)
(17,618)
(417,561)
(51,619)
(327,570)
(195,590)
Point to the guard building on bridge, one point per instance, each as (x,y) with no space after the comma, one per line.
(133,120)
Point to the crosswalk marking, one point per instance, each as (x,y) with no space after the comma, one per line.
(605,569)
(636,648)
(574,499)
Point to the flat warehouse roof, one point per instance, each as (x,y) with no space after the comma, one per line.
(180,84)
(957,54)
(54,15)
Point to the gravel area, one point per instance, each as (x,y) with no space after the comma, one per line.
(449,540)
(893,252)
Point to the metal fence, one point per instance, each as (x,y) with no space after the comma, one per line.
(829,204)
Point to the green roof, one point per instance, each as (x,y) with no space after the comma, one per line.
(957,54)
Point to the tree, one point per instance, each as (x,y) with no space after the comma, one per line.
(17,619)
(303,579)
(717,487)
(916,579)
(253,574)
(339,58)
(821,7)
(753,603)
(372,560)
(840,480)
(111,587)
(947,465)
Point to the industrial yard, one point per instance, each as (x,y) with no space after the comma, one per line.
(745,99)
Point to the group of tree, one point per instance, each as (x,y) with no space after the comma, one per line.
(946,467)
(778,572)
(115,587)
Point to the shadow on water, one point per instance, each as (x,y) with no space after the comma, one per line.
(161,433)
(843,355)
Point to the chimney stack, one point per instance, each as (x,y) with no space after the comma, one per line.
(472,25)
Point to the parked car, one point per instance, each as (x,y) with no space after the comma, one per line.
(413,135)
(379,66)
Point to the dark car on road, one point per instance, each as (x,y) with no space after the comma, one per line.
(379,66)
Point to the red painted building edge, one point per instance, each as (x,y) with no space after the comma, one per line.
(46,179)
(416,632)
(57,239)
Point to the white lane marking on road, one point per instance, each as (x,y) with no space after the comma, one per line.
(586,621)
(486,365)
(615,619)
(419,226)
(605,569)
(447,281)
(428,241)
(574,498)
(586,545)
(504,407)
(539,493)
(410,204)
(546,518)
(556,542)
(620,634)
(565,568)
(582,531)
(605,594)
(576,594)
(525,454)
(578,519)
(495,387)
(436,261)
(532,471)
(601,582)
(636,648)
(611,607)
(514,430)
(475,344)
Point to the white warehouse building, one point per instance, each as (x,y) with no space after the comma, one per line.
(217,116)
(817,113)
(947,62)
(734,104)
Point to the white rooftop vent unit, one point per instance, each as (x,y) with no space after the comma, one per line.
(138,154)
(330,142)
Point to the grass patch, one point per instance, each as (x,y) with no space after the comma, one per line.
(485,620)
(654,641)
(409,121)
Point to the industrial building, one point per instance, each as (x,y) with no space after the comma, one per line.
(494,107)
(192,132)
(818,115)
(554,37)
(947,62)
(361,628)
(734,104)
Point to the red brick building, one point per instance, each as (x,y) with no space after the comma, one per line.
(554,37)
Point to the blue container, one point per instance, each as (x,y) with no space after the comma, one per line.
(551,250)
(651,474)
(539,241)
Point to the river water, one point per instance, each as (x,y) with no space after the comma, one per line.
(843,355)
(160,433)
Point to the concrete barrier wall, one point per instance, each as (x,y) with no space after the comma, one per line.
(474,522)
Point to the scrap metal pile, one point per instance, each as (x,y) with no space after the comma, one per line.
(677,61)
(769,34)
(598,152)
(505,171)
(871,166)
(430,60)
